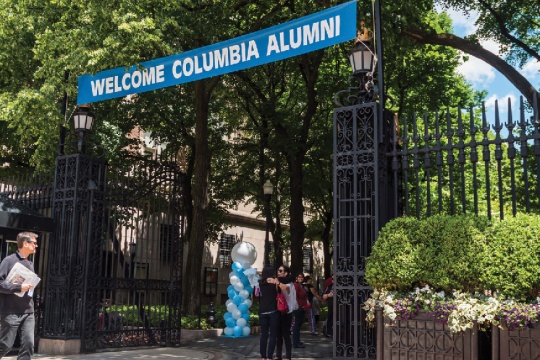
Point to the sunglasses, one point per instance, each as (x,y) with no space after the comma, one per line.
(281,271)
(33,242)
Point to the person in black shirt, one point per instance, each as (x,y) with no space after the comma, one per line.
(268,316)
(311,293)
(17,313)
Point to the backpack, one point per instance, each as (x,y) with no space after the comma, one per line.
(301,297)
(282,305)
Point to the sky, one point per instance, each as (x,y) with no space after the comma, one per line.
(484,77)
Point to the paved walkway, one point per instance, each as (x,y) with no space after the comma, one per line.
(216,348)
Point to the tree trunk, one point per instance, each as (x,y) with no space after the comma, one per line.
(476,50)
(296,213)
(201,173)
(327,244)
(296,156)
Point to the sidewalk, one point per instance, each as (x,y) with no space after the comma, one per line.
(216,348)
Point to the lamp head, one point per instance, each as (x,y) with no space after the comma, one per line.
(83,119)
(268,188)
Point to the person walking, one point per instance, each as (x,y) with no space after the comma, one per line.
(328,297)
(268,315)
(284,328)
(17,312)
(300,313)
(312,297)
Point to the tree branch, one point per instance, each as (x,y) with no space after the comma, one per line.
(504,31)
(476,50)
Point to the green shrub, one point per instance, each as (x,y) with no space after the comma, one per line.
(395,260)
(454,252)
(131,317)
(443,251)
(512,266)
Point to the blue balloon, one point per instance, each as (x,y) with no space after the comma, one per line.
(237,300)
(227,315)
(230,322)
(237,331)
(232,294)
(246,316)
(237,267)
(230,287)
(243,308)
(249,289)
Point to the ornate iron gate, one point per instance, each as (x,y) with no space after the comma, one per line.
(141,256)
(115,260)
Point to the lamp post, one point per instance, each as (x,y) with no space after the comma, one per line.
(83,120)
(132,253)
(268,189)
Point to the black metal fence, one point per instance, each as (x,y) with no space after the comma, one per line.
(454,161)
(467,161)
(112,275)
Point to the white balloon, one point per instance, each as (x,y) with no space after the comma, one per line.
(236,314)
(234,279)
(244,253)
(238,286)
(244,294)
(241,322)
(232,307)
(228,302)
(231,274)
(248,303)
(246,330)
(228,331)
(246,265)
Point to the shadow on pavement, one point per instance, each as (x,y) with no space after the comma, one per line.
(316,347)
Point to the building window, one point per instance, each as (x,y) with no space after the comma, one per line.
(210,281)
(166,239)
(226,243)
(308,259)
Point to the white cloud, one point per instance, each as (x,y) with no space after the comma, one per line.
(502,104)
(478,72)
(530,69)
(464,24)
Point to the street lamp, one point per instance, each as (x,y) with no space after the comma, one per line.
(361,57)
(362,61)
(83,120)
(268,189)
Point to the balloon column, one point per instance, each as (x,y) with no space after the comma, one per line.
(243,278)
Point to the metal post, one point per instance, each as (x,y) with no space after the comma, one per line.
(266,238)
(380,67)
(62,137)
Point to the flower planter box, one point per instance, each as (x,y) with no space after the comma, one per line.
(423,338)
(516,344)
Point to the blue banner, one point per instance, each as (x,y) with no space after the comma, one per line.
(296,37)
